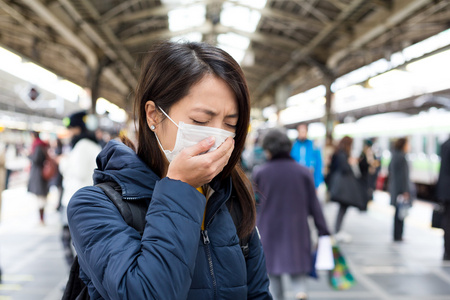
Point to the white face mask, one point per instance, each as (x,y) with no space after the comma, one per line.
(188,135)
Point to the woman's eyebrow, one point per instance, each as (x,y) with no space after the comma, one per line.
(206,111)
(213,113)
(232,116)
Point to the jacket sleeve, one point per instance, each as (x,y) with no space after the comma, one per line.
(295,152)
(315,209)
(318,176)
(257,279)
(121,264)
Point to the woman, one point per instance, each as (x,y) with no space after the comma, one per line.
(287,198)
(37,184)
(343,185)
(399,183)
(190,246)
(368,166)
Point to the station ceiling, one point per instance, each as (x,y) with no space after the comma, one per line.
(298,44)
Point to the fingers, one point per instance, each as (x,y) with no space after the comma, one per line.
(200,147)
(224,151)
(196,169)
(218,158)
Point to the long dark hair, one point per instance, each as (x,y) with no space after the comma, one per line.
(167,74)
(345,144)
(400,144)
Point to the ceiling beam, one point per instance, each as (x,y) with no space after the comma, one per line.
(208,27)
(108,45)
(308,7)
(117,9)
(302,52)
(43,12)
(72,38)
(163,10)
(401,10)
(147,38)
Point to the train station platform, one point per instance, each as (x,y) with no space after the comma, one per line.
(34,268)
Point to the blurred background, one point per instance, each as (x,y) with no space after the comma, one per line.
(373,70)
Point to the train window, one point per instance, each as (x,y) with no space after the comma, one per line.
(437,147)
(424,144)
(415,142)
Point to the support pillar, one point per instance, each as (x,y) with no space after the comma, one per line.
(329,114)
(282,93)
(94,76)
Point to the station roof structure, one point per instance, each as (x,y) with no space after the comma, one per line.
(298,43)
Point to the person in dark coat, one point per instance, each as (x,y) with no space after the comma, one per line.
(343,185)
(399,183)
(368,166)
(190,97)
(443,194)
(287,197)
(37,185)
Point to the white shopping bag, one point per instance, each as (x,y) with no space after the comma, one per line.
(324,260)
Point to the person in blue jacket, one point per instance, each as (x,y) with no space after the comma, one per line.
(190,245)
(305,153)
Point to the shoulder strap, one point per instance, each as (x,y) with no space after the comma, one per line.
(75,288)
(133,212)
(236,214)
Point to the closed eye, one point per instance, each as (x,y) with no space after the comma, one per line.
(198,122)
(231,126)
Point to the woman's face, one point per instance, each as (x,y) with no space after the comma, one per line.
(210,102)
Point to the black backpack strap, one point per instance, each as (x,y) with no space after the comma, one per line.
(133,212)
(75,288)
(236,214)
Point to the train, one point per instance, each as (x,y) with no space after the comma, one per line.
(426,131)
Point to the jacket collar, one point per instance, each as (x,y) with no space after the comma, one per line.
(119,163)
(222,192)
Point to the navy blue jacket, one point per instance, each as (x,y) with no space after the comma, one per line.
(172,259)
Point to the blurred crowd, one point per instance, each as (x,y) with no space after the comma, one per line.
(286,177)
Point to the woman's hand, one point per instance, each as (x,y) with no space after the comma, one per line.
(197,170)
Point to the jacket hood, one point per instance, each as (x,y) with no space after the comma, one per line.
(117,162)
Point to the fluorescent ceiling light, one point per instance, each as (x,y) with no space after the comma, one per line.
(239,17)
(115,113)
(8,59)
(234,40)
(438,63)
(186,17)
(417,50)
(68,90)
(234,44)
(394,77)
(253,3)
(307,96)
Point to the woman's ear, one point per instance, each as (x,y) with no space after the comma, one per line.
(151,114)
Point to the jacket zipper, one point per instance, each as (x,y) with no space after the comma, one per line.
(206,243)
(210,263)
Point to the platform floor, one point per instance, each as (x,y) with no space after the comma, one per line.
(33,265)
